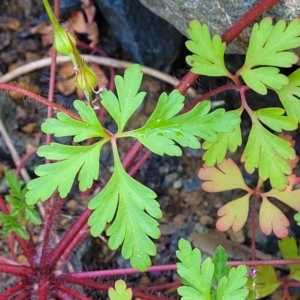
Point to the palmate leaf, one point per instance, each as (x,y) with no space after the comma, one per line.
(263,146)
(130,208)
(289,96)
(196,278)
(64,125)
(122,108)
(120,292)
(232,287)
(208,53)
(268,46)
(60,175)
(162,129)
(224,177)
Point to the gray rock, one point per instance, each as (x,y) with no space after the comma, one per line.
(149,39)
(218,15)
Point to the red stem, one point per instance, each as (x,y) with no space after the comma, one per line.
(249,17)
(43,288)
(71,292)
(16,288)
(53,209)
(209,94)
(229,35)
(12,88)
(68,237)
(104,287)
(18,270)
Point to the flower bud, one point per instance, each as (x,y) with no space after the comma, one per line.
(86,79)
(64,42)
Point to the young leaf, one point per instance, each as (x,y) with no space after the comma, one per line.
(60,175)
(289,96)
(232,287)
(64,125)
(216,152)
(263,145)
(20,212)
(289,250)
(197,279)
(268,46)
(120,292)
(271,218)
(122,108)
(274,119)
(131,208)
(208,53)
(219,260)
(266,281)
(226,176)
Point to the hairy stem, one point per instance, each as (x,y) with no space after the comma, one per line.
(12,88)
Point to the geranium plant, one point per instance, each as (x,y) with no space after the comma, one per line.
(126,210)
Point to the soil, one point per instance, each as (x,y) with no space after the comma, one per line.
(189,212)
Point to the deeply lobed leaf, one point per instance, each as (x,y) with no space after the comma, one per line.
(289,96)
(232,287)
(261,147)
(60,175)
(197,279)
(122,108)
(131,209)
(64,125)
(208,53)
(269,46)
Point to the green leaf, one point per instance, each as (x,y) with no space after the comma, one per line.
(289,96)
(297,218)
(232,287)
(131,208)
(216,151)
(269,45)
(208,53)
(259,79)
(122,108)
(60,175)
(263,146)
(289,250)
(197,279)
(205,125)
(274,119)
(266,281)
(15,185)
(120,292)
(160,131)
(64,125)
(31,215)
(219,260)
